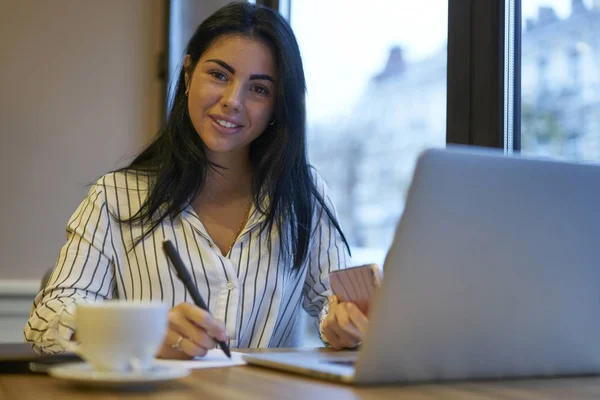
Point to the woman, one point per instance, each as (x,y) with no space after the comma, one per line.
(227,181)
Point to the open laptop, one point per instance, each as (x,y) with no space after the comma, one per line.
(494,272)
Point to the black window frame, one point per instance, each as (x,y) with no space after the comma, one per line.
(476,68)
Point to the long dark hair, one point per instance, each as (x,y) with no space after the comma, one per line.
(177,163)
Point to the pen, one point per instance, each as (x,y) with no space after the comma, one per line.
(185,278)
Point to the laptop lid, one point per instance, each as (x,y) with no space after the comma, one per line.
(20,358)
(494,272)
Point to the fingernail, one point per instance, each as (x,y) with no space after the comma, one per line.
(224,336)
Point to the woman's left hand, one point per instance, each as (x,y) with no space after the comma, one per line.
(345,325)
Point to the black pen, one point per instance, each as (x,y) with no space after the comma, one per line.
(184,277)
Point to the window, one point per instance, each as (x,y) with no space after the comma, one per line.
(560,75)
(376,80)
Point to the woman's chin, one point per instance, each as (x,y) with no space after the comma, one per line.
(221,148)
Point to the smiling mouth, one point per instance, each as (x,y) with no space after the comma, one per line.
(226,124)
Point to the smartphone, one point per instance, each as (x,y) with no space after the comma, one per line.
(357,285)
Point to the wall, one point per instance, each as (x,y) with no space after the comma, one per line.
(79,94)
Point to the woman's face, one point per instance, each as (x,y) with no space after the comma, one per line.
(231,93)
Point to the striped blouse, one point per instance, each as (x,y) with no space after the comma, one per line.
(251,289)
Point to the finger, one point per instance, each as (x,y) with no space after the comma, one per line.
(341,338)
(191,331)
(167,353)
(333,303)
(187,348)
(332,337)
(345,328)
(192,349)
(359,320)
(202,318)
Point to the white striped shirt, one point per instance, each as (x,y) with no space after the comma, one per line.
(251,289)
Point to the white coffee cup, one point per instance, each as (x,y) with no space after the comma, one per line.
(118,335)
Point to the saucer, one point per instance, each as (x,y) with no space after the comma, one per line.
(83,373)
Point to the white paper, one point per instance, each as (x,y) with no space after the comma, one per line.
(214,359)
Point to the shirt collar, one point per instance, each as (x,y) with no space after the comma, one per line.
(255,219)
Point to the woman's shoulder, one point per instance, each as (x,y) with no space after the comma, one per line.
(320,183)
(126,179)
(322,191)
(124,191)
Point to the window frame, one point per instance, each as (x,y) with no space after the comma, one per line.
(475,96)
(475,71)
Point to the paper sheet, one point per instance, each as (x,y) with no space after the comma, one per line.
(214,359)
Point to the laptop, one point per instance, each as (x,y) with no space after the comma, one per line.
(19,358)
(494,272)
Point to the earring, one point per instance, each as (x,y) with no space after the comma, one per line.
(272,122)
(187,91)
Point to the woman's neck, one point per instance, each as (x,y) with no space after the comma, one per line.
(232,181)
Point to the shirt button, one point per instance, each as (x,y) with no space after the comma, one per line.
(230,285)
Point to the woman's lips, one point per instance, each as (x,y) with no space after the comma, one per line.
(223,129)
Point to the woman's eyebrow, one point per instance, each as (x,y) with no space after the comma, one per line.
(222,64)
(229,68)
(263,77)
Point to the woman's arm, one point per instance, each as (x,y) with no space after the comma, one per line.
(84,272)
(327,253)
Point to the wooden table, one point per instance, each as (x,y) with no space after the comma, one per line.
(246,382)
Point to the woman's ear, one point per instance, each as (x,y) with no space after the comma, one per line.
(187,63)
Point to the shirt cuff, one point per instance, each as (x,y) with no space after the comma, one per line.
(60,330)
(322,316)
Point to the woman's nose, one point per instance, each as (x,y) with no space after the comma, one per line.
(233,98)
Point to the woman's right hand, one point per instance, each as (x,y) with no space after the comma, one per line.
(192,332)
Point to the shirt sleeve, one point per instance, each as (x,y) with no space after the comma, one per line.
(328,253)
(84,272)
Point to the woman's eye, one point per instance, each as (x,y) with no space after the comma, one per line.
(260,90)
(218,75)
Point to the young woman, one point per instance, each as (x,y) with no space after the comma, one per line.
(228,182)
